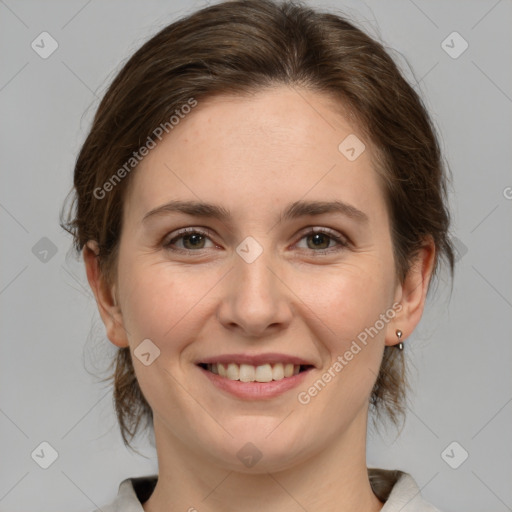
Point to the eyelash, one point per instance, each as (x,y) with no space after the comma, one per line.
(341,241)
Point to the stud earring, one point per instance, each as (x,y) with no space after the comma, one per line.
(399,345)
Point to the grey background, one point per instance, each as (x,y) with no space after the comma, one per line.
(52,341)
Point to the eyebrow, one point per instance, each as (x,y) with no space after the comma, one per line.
(293,211)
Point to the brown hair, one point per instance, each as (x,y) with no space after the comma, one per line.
(243,46)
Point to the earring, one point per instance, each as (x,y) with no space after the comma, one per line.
(399,345)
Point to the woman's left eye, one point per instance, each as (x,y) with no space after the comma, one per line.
(321,236)
(194,239)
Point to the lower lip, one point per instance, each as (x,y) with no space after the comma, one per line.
(255,390)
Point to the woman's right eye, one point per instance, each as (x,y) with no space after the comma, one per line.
(192,237)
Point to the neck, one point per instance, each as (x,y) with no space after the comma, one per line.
(335,480)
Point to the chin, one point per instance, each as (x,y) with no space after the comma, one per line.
(254,451)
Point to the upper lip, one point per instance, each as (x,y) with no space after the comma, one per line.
(255,360)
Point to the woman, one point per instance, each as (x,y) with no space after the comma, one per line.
(261,207)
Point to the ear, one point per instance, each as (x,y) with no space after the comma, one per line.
(110,312)
(412,294)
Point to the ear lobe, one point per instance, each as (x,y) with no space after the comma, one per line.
(110,312)
(412,293)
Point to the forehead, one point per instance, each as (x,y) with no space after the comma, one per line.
(253,152)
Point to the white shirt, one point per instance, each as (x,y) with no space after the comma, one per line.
(396,489)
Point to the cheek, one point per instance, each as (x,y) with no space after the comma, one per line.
(351,333)
(349,298)
(165,306)
(352,311)
(162,302)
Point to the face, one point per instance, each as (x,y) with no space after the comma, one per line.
(283,285)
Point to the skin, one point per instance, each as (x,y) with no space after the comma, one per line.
(254,155)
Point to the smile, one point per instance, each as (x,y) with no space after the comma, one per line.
(250,373)
(250,382)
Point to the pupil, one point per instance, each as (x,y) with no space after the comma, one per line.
(315,237)
(195,238)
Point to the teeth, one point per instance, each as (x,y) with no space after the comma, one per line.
(263,373)
(250,373)
(277,371)
(233,372)
(222,370)
(247,373)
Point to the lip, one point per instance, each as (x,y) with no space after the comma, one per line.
(256,359)
(255,390)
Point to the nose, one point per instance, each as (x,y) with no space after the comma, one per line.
(256,300)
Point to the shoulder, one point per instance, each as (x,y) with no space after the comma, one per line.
(132,492)
(398,491)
